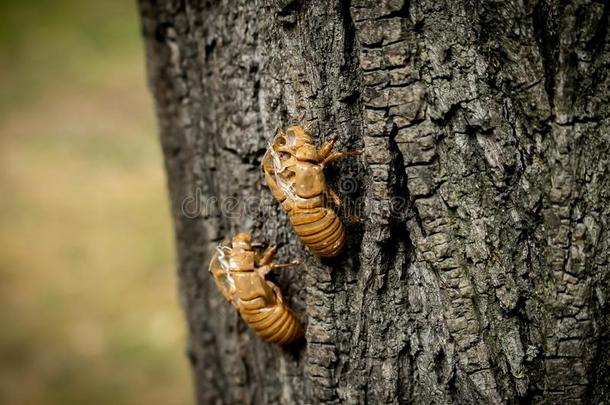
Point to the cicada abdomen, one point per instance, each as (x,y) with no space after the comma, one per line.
(239,273)
(274,323)
(294,171)
(317,225)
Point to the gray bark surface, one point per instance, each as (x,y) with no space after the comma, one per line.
(481,273)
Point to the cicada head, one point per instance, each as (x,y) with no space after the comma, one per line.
(286,150)
(297,136)
(292,139)
(242,241)
(291,145)
(242,254)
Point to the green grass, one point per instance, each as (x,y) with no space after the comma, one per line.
(88,302)
(56,44)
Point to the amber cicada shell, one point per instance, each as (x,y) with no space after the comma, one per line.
(239,272)
(294,171)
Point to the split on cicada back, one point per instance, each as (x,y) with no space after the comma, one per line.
(281,171)
(219,267)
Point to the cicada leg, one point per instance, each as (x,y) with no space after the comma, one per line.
(266,257)
(327,147)
(334,197)
(266,269)
(337,200)
(338,155)
(294,263)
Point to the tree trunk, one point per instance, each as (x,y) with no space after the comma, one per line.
(480,273)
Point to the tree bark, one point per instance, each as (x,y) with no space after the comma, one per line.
(481,271)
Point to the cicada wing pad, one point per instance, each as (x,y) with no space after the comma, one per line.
(281,163)
(219,267)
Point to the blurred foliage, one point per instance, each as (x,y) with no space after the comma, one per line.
(88,306)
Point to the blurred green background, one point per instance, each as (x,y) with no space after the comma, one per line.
(88,305)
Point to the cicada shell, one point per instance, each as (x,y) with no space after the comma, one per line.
(294,171)
(239,272)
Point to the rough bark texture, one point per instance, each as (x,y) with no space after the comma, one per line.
(481,272)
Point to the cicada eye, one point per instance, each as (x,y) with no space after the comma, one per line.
(281,141)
